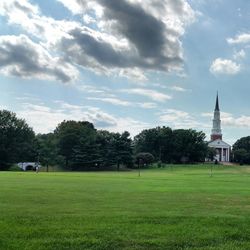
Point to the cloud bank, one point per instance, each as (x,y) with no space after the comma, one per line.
(126,38)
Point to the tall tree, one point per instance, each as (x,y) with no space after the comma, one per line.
(241,150)
(104,141)
(189,145)
(46,149)
(121,149)
(74,139)
(16,140)
(150,140)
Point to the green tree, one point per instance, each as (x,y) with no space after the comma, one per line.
(120,149)
(16,140)
(167,145)
(144,158)
(241,156)
(241,150)
(46,149)
(157,141)
(105,147)
(189,145)
(86,155)
(211,153)
(74,141)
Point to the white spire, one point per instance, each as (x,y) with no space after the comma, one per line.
(216,130)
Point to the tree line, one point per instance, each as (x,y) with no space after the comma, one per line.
(78,145)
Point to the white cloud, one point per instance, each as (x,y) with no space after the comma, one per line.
(240,39)
(173,115)
(119,102)
(147,105)
(87,88)
(207,114)
(133,74)
(152,94)
(19,56)
(114,101)
(238,55)
(44,119)
(224,66)
(88,19)
(178,89)
(230,120)
(3,107)
(180,119)
(129,124)
(29,17)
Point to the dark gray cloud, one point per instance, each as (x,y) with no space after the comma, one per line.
(87,50)
(19,56)
(151,43)
(143,30)
(88,46)
(24,8)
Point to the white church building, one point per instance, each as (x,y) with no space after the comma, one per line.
(222,148)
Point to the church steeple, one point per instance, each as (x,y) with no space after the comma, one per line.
(217,108)
(216,130)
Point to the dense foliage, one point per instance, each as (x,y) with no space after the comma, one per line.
(83,147)
(76,142)
(47,151)
(16,140)
(241,150)
(78,145)
(172,146)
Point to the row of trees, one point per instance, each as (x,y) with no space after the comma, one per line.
(77,145)
(74,145)
(172,146)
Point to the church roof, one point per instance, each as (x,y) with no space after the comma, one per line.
(218,143)
(217,108)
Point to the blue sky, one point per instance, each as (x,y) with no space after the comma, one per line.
(128,64)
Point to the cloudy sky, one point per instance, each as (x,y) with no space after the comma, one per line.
(127,64)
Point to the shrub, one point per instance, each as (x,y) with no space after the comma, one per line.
(15,168)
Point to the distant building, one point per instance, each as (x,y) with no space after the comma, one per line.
(222,148)
(28,165)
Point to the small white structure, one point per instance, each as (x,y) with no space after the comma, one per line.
(222,148)
(28,165)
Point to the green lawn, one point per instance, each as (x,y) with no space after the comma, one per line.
(178,208)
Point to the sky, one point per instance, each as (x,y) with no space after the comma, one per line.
(127,64)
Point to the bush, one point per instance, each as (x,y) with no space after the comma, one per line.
(15,168)
(144,159)
(159,164)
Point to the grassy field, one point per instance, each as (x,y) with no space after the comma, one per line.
(170,208)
